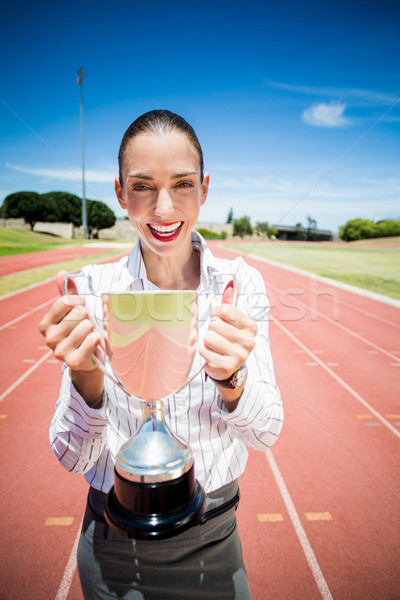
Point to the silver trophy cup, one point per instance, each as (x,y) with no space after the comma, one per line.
(151,338)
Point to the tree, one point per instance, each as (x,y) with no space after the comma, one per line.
(68,207)
(311,224)
(387,228)
(229,218)
(262,228)
(242,227)
(30,206)
(99,216)
(358,229)
(301,233)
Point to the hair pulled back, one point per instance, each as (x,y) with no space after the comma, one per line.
(159,122)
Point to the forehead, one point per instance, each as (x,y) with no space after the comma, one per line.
(153,152)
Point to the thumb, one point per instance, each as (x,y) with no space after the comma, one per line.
(72,289)
(228,295)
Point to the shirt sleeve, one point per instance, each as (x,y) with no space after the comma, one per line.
(77,432)
(258,417)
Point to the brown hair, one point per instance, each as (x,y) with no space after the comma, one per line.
(159,122)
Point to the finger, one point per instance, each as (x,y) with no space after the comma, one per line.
(218,366)
(72,289)
(77,348)
(80,359)
(237,350)
(232,315)
(228,295)
(60,310)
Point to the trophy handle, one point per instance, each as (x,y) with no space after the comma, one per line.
(102,367)
(190,378)
(73,276)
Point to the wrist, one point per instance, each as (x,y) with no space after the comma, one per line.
(90,385)
(235,381)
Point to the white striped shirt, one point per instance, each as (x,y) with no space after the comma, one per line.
(86,441)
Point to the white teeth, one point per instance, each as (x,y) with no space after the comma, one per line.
(165,229)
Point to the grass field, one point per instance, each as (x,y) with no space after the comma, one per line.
(18,241)
(373,265)
(370,264)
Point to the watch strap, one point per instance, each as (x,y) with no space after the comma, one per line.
(234,381)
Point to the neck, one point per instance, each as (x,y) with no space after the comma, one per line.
(173,272)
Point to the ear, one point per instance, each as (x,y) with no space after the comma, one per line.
(119,193)
(204,188)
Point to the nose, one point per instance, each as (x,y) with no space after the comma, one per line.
(164,206)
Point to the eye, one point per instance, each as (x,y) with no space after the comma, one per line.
(139,187)
(185,184)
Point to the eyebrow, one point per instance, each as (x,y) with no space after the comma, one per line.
(140,176)
(150,178)
(184,174)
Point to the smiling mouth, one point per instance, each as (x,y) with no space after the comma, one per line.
(165,231)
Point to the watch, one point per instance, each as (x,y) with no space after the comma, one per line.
(234,381)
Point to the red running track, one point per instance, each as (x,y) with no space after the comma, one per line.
(319,516)
(24,262)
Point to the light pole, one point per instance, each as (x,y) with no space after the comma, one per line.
(84,212)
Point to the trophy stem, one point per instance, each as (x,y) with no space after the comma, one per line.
(155,493)
(154,454)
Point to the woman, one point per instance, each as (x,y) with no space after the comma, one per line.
(234,404)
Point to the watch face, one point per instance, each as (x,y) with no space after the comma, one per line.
(235,380)
(239,377)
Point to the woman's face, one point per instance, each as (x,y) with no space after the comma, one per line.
(162,190)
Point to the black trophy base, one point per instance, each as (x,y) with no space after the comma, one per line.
(154,511)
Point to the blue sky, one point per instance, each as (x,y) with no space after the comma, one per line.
(296,104)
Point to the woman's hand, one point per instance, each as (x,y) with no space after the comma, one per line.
(71,335)
(227,344)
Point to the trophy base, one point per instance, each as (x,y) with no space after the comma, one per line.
(154,511)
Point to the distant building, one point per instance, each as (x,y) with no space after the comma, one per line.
(300,233)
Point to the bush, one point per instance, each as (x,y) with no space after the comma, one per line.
(242,227)
(211,235)
(361,229)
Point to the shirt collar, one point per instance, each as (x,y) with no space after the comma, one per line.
(137,279)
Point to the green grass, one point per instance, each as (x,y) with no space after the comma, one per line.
(370,266)
(18,281)
(18,241)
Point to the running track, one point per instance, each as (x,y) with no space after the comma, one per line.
(319,516)
(20,262)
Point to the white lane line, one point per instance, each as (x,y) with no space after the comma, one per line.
(26,289)
(69,571)
(370,314)
(25,375)
(314,311)
(333,282)
(357,396)
(29,312)
(301,534)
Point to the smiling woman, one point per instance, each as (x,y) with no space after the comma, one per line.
(233,405)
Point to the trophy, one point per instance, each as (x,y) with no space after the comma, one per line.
(151,339)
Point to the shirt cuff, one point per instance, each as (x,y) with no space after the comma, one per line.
(252,410)
(91,421)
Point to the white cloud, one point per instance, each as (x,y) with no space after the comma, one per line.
(326,115)
(91,175)
(355,95)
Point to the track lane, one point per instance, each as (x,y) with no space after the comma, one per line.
(24,262)
(367,446)
(288,289)
(324,474)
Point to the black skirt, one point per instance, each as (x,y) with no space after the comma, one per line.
(203,562)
